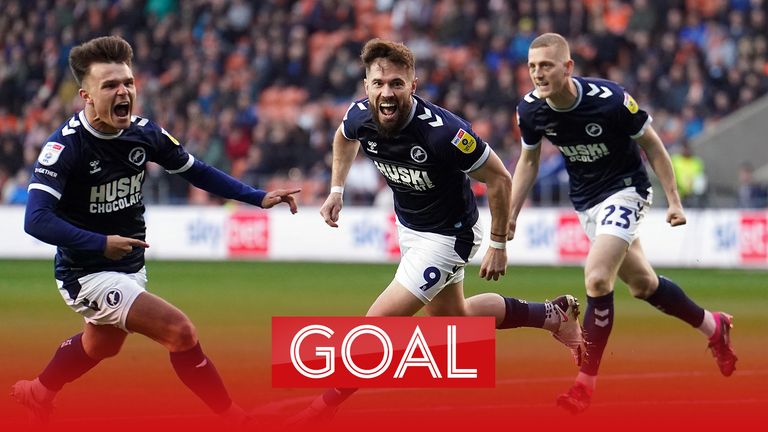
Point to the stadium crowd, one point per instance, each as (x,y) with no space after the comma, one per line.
(258,88)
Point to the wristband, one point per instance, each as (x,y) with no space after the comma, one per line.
(499,235)
(337,189)
(498,245)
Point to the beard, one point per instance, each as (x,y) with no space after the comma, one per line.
(390,129)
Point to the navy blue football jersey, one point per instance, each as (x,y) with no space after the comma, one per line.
(98,180)
(425,164)
(595,137)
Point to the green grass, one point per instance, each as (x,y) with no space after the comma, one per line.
(231,304)
(223,293)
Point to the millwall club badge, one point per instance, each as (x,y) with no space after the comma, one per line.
(50,153)
(418,154)
(137,155)
(593,129)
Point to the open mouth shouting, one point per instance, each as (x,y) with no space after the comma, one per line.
(388,111)
(122,110)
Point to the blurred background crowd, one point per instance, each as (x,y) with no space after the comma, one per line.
(257,88)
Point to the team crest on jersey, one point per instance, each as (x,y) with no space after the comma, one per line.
(418,154)
(50,153)
(137,156)
(464,141)
(630,103)
(593,129)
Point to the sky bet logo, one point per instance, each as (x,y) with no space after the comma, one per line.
(383,352)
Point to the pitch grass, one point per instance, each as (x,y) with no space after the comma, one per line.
(232,304)
(218,295)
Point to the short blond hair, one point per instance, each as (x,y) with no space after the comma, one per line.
(553,40)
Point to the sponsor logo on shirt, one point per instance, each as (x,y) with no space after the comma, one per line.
(464,141)
(116,195)
(413,178)
(46,172)
(50,153)
(584,152)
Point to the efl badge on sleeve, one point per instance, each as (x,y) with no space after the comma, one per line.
(630,103)
(50,153)
(170,137)
(464,141)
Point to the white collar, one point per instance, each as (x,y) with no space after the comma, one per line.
(93,131)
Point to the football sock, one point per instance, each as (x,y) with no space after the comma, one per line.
(598,322)
(708,325)
(519,313)
(68,364)
(670,299)
(333,397)
(198,373)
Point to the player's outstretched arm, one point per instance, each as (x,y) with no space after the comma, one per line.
(495,175)
(526,170)
(222,184)
(344,152)
(331,209)
(662,166)
(278,196)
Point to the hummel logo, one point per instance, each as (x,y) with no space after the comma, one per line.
(94,167)
(603,313)
(550,131)
(91,305)
(372,146)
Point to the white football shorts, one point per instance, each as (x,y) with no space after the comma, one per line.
(431,261)
(105,297)
(619,215)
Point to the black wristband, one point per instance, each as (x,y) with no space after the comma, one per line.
(499,235)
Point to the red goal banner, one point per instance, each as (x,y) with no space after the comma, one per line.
(383,352)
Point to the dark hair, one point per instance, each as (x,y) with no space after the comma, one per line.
(105,49)
(395,52)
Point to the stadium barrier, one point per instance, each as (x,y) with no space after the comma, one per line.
(545,236)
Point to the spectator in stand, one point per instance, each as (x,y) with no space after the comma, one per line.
(690,176)
(229,55)
(752,194)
